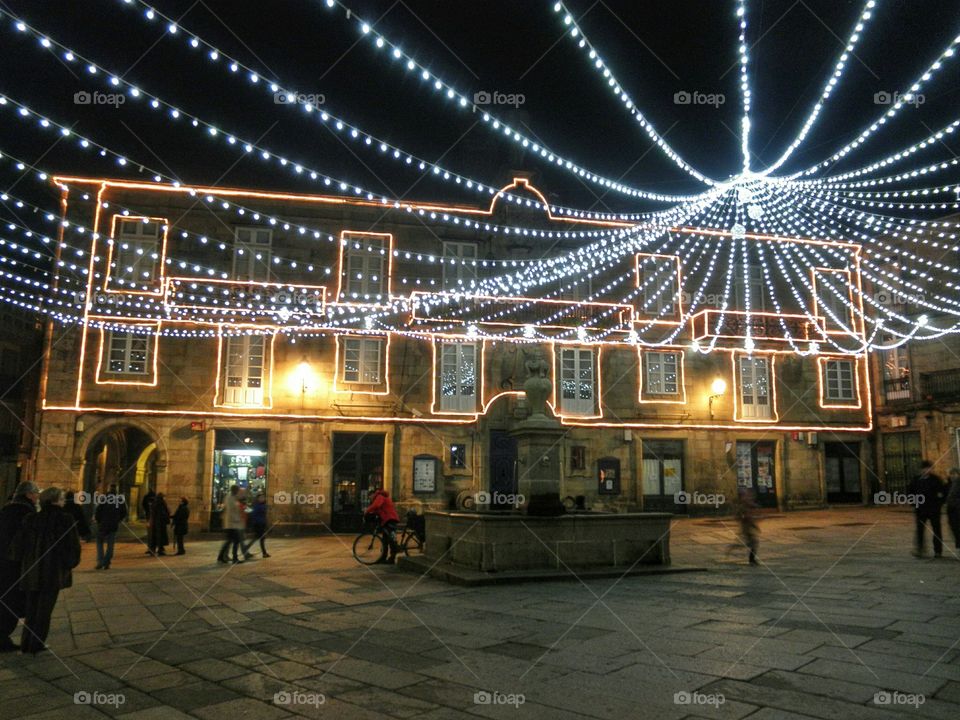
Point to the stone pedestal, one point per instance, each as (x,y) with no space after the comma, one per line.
(538,464)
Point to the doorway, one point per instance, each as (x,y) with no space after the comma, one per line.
(503,468)
(662,475)
(124,456)
(756,471)
(357,467)
(902,454)
(842,471)
(239,458)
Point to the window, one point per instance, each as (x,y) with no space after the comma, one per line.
(361,361)
(750,278)
(462,270)
(251,254)
(662,373)
(896,371)
(365,263)
(578,457)
(838,380)
(458,456)
(577,390)
(458,377)
(755,388)
(658,285)
(832,300)
(577,289)
(129,352)
(135,260)
(244,370)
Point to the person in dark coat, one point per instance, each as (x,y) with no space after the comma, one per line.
(48,548)
(111,511)
(953,505)
(930,491)
(76,512)
(257,522)
(179,521)
(147,503)
(12,598)
(157,537)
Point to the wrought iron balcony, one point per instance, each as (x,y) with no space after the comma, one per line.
(896,389)
(941,384)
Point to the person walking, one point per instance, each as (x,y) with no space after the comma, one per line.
(179,521)
(929,491)
(745,511)
(12,598)
(953,505)
(48,548)
(158,538)
(79,517)
(258,525)
(110,512)
(233,524)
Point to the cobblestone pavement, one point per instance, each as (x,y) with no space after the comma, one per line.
(838,621)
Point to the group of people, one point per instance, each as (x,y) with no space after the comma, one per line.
(236,518)
(931,493)
(38,551)
(158,517)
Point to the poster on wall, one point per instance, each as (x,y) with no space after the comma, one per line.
(425,473)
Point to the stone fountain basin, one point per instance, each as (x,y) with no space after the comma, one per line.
(491,542)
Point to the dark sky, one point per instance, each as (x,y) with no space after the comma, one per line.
(657,48)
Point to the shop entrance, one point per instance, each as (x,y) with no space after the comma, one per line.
(357,467)
(239,458)
(662,475)
(842,471)
(756,471)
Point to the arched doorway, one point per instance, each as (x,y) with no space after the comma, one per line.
(125,456)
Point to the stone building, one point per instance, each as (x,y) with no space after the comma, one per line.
(20,345)
(310,346)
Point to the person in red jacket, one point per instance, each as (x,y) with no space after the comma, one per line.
(382,507)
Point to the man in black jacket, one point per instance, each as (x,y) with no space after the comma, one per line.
(12,598)
(929,490)
(111,511)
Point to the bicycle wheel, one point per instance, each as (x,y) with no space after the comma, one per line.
(412,545)
(369,547)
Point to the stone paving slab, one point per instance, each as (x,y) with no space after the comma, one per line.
(801,636)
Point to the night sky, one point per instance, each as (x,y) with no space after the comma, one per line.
(656,47)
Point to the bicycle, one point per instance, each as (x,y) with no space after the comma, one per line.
(371,545)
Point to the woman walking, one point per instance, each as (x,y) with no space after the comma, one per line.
(48,548)
(158,538)
(233,524)
(180,518)
(258,524)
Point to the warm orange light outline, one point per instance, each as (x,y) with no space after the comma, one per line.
(221,369)
(90,273)
(344,242)
(161,261)
(681,378)
(737,408)
(153,346)
(481,366)
(385,380)
(678,300)
(556,402)
(822,383)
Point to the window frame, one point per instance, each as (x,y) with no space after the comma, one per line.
(153,246)
(677,373)
(362,350)
(458,402)
(252,244)
(233,396)
(368,264)
(754,411)
(757,288)
(852,380)
(582,407)
(455,274)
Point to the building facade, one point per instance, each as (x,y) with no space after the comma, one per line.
(312,346)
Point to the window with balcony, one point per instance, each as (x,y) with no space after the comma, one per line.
(749,280)
(578,391)
(839,382)
(251,254)
(833,300)
(896,372)
(661,373)
(755,398)
(458,377)
(245,367)
(129,353)
(658,285)
(362,361)
(365,263)
(135,262)
(459,266)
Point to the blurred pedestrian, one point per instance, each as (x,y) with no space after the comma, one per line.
(233,524)
(745,511)
(12,598)
(953,505)
(157,536)
(110,512)
(180,524)
(48,548)
(929,491)
(75,511)
(147,503)
(257,521)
